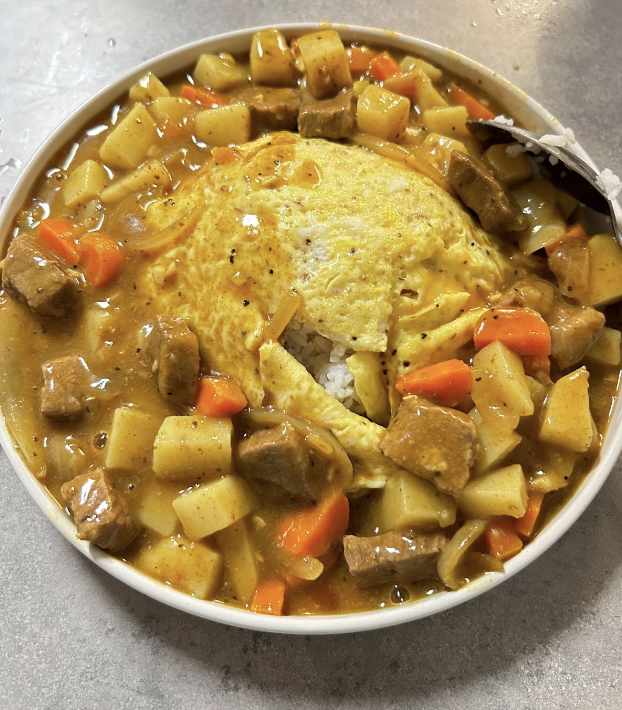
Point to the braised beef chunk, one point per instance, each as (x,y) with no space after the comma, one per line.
(37,277)
(270,107)
(281,457)
(569,260)
(329,118)
(173,352)
(64,387)
(101,514)
(393,557)
(433,442)
(487,196)
(573,328)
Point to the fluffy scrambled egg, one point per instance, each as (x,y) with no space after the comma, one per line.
(377,252)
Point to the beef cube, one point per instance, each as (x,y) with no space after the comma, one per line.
(36,276)
(433,442)
(481,191)
(329,118)
(272,108)
(393,557)
(173,353)
(280,456)
(64,387)
(100,513)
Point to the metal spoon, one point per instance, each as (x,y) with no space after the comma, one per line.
(571,173)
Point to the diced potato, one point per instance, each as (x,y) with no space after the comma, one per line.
(450,558)
(567,203)
(382,113)
(495,441)
(170,108)
(148,88)
(538,200)
(225,125)
(499,382)
(566,417)
(426,96)
(192,567)
(235,544)
(438,149)
(84,183)
(370,385)
(156,511)
(213,506)
(148,175)
(130,444)
(192,447)
(360,86)
(554,470)
(410,63)
(410,502)
(499,492)
(448,121)
(606,349)
(272,61)
(326,63)
(218,74)
(605,270)
(129,141)
(512,168)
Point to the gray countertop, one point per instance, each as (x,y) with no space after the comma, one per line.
(73,637)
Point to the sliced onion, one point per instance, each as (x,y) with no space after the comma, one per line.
(450,558)
(308,568)
(173,234)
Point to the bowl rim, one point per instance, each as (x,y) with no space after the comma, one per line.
(532,114)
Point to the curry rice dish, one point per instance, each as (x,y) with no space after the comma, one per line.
(290,338)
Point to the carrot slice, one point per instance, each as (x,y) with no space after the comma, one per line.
(524,526)
(476,108)
(101,256)
(534,364)
(171,131)
(501,539)
(383,66)
(218,397)
(224,155)
(203,97)
(359,59)
(574,231)
(315,530)
(269,598)
(446,383)
(58,234)
(521,329)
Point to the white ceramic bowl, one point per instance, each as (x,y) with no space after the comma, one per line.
(518,104)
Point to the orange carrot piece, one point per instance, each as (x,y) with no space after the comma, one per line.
(501,539)
(315,530)
(524,526)
(359,59)
(383,66)
(171,131)
(101,256)
(574,231)
(58,234)
(534,364)
(476,108)
(224,155)
(446,383)
(269,598)
(203,97)
(521,329)
(218,397)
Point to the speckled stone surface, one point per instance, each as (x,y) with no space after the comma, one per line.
(73,637)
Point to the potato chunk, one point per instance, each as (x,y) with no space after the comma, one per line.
(499,492)
(218,73)
(425,95)
(148,88)
(495,440)
(156,511)
(148,175)
(605,270)
(448,121)
(272,61)
(606,349)
(84,183)
(566,417)
(192,567)
(130,444)
(192,447)
(170,108)
(367,372)
(326,63)
(128,142)
(213,506)
(409,502)
(240,569)
(512,169)
(538,201)
(553,470)
(382,113)
(225,125)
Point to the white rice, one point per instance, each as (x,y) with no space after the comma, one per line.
(325,359)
